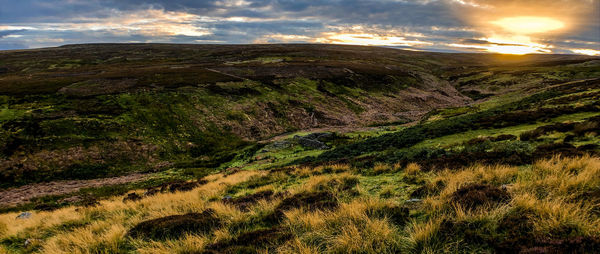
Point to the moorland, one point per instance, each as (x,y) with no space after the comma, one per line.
(297,148)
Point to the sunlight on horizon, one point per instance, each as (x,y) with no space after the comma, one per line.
(517,35)
(369,39)
(528,24)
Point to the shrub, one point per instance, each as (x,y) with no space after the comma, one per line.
(311,201)
(175,226)
(251,242)
(244,203)
(476,195)
(515,231)
(396,214)
(412,169)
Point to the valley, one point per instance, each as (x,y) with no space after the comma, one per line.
(296,148)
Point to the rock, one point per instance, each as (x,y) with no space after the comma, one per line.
(414,200)
(312,143)
(28,243)
(227,198)
(314,140)
(24,215)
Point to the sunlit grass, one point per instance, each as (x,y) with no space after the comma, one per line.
(550,190)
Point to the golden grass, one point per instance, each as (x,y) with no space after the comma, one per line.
(553,190)
(380,168)
(550,189)
(116,217)
(554,214)
(423,233)
(345,230)
(296,246)
(561,176)
(186,244)
(412,169)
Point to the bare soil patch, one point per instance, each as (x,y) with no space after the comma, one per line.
(23,194)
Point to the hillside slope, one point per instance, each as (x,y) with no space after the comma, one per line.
(156,148)
(85,111)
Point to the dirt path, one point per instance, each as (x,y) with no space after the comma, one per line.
(23,194)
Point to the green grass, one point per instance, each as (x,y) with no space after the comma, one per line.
(454,139)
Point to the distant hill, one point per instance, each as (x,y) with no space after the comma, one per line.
(108,109)
(164,148)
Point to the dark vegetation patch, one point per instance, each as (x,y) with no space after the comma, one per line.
(175,226)
(258,181)
(95,161)
(515,231)
(579,129)
(428,189)
(476,195)
(499,117)
(132,197)
(245,202)
(474,234)
(311,201)
(545,151)
(579,244)
(171,187)
(342,185)
(513,234)
(498,138)
(47,207)
(396,214)
(476,95)
(485,150)
(180,186)
(89,197)
(251,242)
(576,97)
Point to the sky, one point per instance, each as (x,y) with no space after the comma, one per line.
(499,26)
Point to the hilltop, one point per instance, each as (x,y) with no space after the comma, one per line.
(117,148)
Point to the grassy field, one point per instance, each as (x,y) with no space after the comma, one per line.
(297,149)
(549,205)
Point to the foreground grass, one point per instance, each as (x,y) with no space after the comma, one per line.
(550,205)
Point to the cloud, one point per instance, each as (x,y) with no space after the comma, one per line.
(422,24)
(589,52)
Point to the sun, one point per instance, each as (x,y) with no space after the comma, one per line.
(528,24)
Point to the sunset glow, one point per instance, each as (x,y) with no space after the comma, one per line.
(369,39)
(529,25)
(589,52)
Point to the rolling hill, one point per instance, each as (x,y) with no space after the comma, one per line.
(296,148)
